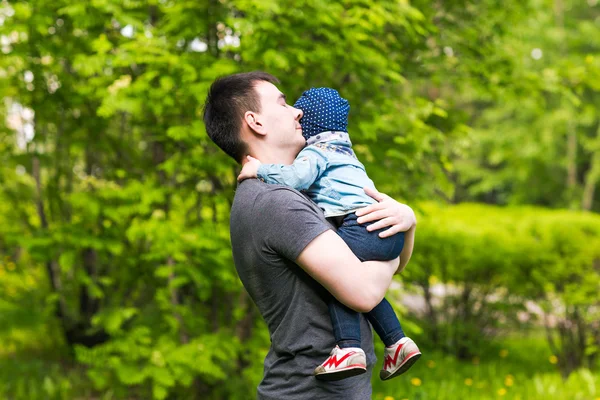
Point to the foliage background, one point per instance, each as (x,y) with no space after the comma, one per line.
(116,279)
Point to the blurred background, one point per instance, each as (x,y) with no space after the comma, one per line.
(116,276)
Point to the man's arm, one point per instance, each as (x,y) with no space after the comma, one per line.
(358,285)
(409,244)
(323,254)
(288,224)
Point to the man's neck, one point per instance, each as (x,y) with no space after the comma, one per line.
(273,156)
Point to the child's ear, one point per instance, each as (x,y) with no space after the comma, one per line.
(253,120)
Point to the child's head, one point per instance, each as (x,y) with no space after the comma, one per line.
(324,110)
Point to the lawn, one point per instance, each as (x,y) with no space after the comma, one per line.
(522,368)
(32,367)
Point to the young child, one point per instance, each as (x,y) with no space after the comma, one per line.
(329,172)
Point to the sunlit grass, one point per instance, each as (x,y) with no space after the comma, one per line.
(523,369)
(32,368)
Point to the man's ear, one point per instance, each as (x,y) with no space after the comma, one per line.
(253,120)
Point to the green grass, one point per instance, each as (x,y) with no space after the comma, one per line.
(33,366)
(522,369)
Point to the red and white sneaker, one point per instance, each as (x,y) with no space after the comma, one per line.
(342,363)
(398,358)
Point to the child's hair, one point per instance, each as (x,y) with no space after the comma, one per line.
(324,110)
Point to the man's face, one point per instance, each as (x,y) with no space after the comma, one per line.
(280,120)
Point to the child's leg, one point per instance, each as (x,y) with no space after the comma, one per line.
(400,352)
(347,358)
(346,325)
(368,246)
(385,322)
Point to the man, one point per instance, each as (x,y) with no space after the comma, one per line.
(287,255)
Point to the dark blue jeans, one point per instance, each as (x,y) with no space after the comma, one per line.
(366,246)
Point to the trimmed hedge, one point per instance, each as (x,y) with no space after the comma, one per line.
(493,261)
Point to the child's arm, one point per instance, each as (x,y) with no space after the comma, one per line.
(249,169)
(306,169)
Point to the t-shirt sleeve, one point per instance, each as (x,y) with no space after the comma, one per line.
(287,221)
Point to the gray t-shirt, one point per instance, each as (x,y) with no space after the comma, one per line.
(270,226)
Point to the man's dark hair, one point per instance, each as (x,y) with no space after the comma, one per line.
(228,99)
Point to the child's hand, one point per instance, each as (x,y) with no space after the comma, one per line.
(250,169)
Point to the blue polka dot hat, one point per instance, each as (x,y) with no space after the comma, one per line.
(324,110)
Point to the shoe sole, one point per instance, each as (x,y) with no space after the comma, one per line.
(402,369)
(340,374)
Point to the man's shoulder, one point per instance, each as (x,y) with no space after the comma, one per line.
(278,216)
(255,199)
(259,192)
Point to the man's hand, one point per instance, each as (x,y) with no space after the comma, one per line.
(250,169)
(388,213)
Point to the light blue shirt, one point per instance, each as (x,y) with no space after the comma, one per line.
(328,171)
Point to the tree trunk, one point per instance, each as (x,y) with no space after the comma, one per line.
(464,318)
(571,128)
(51,265)
(88,304)
(571,159)
(183,336)
(592,176)
(431,313)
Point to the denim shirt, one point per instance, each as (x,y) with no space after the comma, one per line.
(328,171)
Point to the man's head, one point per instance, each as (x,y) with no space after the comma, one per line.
(324,110)
(246,114)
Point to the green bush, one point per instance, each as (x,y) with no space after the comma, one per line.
(492,261)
